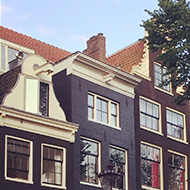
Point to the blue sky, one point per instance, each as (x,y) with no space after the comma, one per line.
(67,24)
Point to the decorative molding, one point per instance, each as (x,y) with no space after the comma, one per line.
(35,123)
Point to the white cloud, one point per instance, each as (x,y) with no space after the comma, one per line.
(75,37)
(44,31)
(5,9)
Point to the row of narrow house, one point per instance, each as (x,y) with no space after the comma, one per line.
(65,116)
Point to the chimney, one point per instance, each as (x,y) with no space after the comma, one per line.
(16,62)
(96,47)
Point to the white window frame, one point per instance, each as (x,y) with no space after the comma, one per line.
(63,186)
(161,88)
(38,94)
(30,169)
(125,185)
(99,163)
(161,167)
(186,167)
(108,109)
(184,126)
(159,116)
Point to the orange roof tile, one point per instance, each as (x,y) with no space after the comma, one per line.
(127,57)
(49,52)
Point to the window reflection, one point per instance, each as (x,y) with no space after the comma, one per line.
(89,161)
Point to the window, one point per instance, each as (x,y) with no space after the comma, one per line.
(176,171)
(53,166)
(160,77)
(7,54)
(118,159)
(37,100)
(175,124)
(18,159)
(150,166)
(150,115)
(103,110)
(89,161)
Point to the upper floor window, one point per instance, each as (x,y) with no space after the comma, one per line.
(150,115)
(118,158)
(175,124)
(176,172)
(7,55)
(103,110)
(37,96)
(159,77)
(18,159)
(150,166)
(89,161)
(53,166)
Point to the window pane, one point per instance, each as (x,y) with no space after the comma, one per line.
(150,164)
(88,161)
(44,98)
(32,95)
(11,54)
(17,158)
(90,100)
(2,66)
(52,165)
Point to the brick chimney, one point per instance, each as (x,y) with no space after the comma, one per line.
(96,47)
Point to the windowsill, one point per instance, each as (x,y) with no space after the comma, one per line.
(118,128)
(162,90)
(19,180)
(176,139)
(151,130)
(90,184)
(53,186)
(150,188)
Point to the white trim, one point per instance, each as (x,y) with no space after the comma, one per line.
(126,180)
(160,88)
(63,186)
(184,126)
(161,166)
(159,132)
(99,161)
(186,167)
(35,123)
(95,71)
(109,101)
(30,169)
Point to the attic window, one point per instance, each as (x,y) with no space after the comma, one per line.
(37,96)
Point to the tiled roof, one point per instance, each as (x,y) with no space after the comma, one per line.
(127,57)
(7,81)
(49,52)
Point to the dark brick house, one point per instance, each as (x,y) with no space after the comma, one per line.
(161,127)
(100,98)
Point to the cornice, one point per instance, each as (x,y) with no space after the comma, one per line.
(22,120)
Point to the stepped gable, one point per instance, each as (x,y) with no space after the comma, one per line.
(7,81)
(127,57)
(49,52)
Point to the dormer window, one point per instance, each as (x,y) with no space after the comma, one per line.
(37,96)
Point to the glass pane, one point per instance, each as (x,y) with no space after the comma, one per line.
(51,166)
(58,167)
(99,116)
(149,108)
(2,66)
(90,113)
(155,110)
(11,54)
(113,109)
(104,117)
(58,155)
(142,106)
(169,116)
(32,95)
(142,119)
(90,100)
(155,124)
(113,121)
(45,152)
(148,122)
(98,104)
(44,98)
(88,146)
(104,106)
(51,153)
(58,179)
